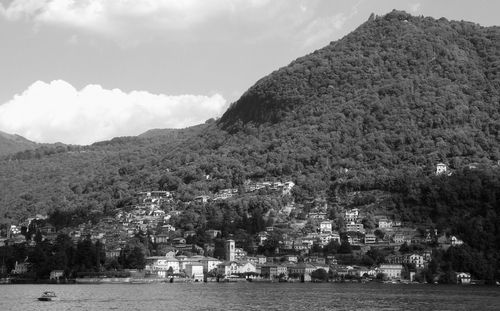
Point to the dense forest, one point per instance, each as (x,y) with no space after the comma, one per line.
(375,110)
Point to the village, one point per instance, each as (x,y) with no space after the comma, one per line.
(299,255)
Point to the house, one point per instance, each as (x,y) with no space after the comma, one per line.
(463,277)
(291,258)
(399,238)
(246,267)
(302,269)
(326,238)
(354,227)
(161,238)
(273,271)
(209,263)
(441,168)
(370,238)
(384,223)
(455,241)
(261,259)
(392,271)
(162,265)
(21,268)
(315,260)
(325,226)
(202,199)
(317,215)
(227,268)
(415,259)
(351,215)
(239,253)
(262,237)
(194,271)
(56,274)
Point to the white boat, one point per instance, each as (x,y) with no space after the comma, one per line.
(48,296)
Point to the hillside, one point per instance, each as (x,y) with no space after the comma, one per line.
(389,100)
(10,144)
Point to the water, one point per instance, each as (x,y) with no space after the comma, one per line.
(252,296)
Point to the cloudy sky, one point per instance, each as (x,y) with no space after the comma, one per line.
(80,71)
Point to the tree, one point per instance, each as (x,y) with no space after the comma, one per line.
(320,274)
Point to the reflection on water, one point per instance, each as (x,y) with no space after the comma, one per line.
(251,296)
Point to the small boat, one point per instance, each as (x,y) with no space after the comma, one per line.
(48,296)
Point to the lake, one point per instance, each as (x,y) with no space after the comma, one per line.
(252,296)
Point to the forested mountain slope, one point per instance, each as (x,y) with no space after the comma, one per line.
(398,90)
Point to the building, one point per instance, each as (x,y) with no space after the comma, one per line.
(162,265)
(326,238)
(392,271)
(194,271)
(273,271)
(455,241)
(325,226)
(415,259)
(56,274)
(20,268)
(354,227)
(246,267)
(463,277)
(202,199)
(441,168)
(384,223)
(351,215)
(370,238)
(291,258)
(209,263)
(227,268)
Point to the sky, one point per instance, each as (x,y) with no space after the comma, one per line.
(81,71)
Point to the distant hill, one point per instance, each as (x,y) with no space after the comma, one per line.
(10,144)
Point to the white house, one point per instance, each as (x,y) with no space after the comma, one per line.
(351,215)
(195,272)
(325,226)
(246,267)
(392,271)
(441,168)
(161,265)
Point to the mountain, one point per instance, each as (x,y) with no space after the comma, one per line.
(10,144)
(372,112)
(399,89)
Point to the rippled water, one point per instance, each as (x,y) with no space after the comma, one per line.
(251,296)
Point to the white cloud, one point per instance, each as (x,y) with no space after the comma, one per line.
(56,111)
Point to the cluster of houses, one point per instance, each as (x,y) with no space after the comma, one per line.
(294,253)
(278,187)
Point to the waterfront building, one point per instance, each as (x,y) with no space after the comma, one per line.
(194,271)
(392,271)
